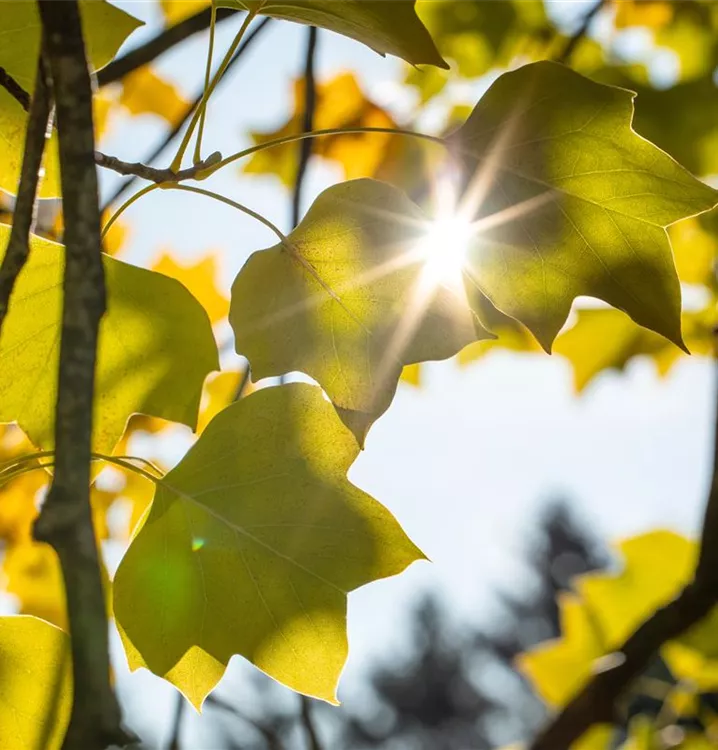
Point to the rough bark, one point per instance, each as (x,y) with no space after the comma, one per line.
(65,520)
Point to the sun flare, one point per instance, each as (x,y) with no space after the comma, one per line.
(445,248)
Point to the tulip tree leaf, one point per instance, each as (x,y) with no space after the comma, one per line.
(151,324)
(36,678)
(251,546)
(578,202)
(344,304)
(690,134)
(106,28)
(387,27)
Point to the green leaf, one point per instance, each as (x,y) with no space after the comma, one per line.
(578,202)
(106,28)
(251,545)
(690,134)
(345,304)
(156,347)
(478,35)
(387,27)
(36,676)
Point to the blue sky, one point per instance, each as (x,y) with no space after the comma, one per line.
(465,462)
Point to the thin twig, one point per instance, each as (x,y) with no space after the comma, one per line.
(243,383)
(135,169)
(596,702)
(310,105)
(207,80)
(14,89)
(65,521)
(175,737)
(209,90)
(18,247)
(143,170)
(573,41)
(310,731)
(152,174)
(271,737)
(177,128)
(163,42)
(305,153)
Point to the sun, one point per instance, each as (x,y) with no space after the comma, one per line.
(444,249)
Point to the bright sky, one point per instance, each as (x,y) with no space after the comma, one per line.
(466,462)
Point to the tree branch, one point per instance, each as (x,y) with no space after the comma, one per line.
(135,169)
(14,89)
(596,702)
(310,731)
(175,131)
(142,170)
(573,41)
(65,520)
(270,736)
(152,174)
(18,248)
(174,743)
(164,41)
(310,105)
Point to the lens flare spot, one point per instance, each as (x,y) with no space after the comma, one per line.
(197,544)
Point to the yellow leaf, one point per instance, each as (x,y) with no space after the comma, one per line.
(608,607)
(201,280)
(340,104)
(558,668)
(655,567)
(175,11)
(145,92)
(33,575)
(18,508)
(654,14)
(687,663)
(137,492)
(102,104)
(604,339)
(411,374)
(642,735)
(113,241)
(598,737)
(219,392)
(36,678)
(31,570)
(695,250)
